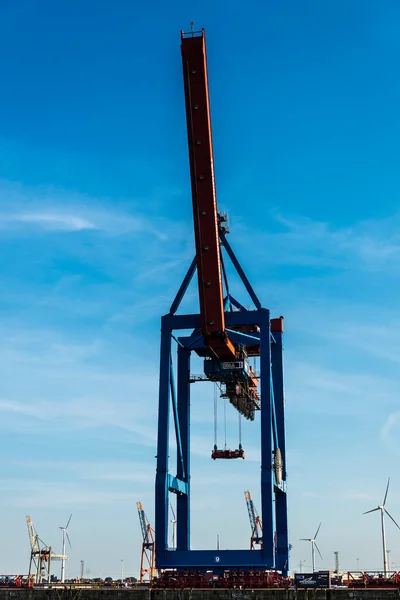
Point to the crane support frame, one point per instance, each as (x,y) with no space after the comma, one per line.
(174,397)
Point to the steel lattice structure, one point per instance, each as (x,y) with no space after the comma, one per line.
(256,538)
(147,562)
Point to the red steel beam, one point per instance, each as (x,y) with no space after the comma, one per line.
(204,200)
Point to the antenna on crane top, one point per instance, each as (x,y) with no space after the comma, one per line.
(192,26)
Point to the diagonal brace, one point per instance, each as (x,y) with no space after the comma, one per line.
(176,420)
(184,286)
(239,270)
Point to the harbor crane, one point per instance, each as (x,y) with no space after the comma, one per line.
(147,563)
(226,335)
(41,556)
(255,523)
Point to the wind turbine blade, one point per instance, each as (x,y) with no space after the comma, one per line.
(319,527)
(390,517)
(67,536)
(173,512)
(305,540)
(386,493)
(373,510)
(66,527)
(318,550)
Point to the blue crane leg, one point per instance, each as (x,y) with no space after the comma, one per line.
(183,500)
(266,440)
(161,492)
(176,420)
(282,542)
(273,513)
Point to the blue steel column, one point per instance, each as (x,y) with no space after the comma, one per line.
(161,508)
(183,500)
(282,542)
(266,440)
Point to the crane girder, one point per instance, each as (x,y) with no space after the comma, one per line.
(205,214)
(32,534)
(143,522)
(251,511)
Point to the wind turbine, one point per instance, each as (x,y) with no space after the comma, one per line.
(65,535)
(313,546)
(173,521)
(383,510)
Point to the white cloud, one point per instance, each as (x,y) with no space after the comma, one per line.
(389,431)
(37,493)
(372,244)
(102,470)
(351,323)
(45,209)
(317,389)
(64,386)
(81,413)
(49,218)
(51,221)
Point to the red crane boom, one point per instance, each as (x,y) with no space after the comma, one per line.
(204,199)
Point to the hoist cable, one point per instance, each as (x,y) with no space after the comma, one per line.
(225,420)
(215,414)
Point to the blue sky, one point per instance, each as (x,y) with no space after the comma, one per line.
(96,235)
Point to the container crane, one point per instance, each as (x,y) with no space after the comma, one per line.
(255,523)
(147,562)
(41,556)
(225,335)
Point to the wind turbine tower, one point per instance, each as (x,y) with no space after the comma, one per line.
(173,522)
(313,546)
(336,553)
(65,536)
(383,510)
